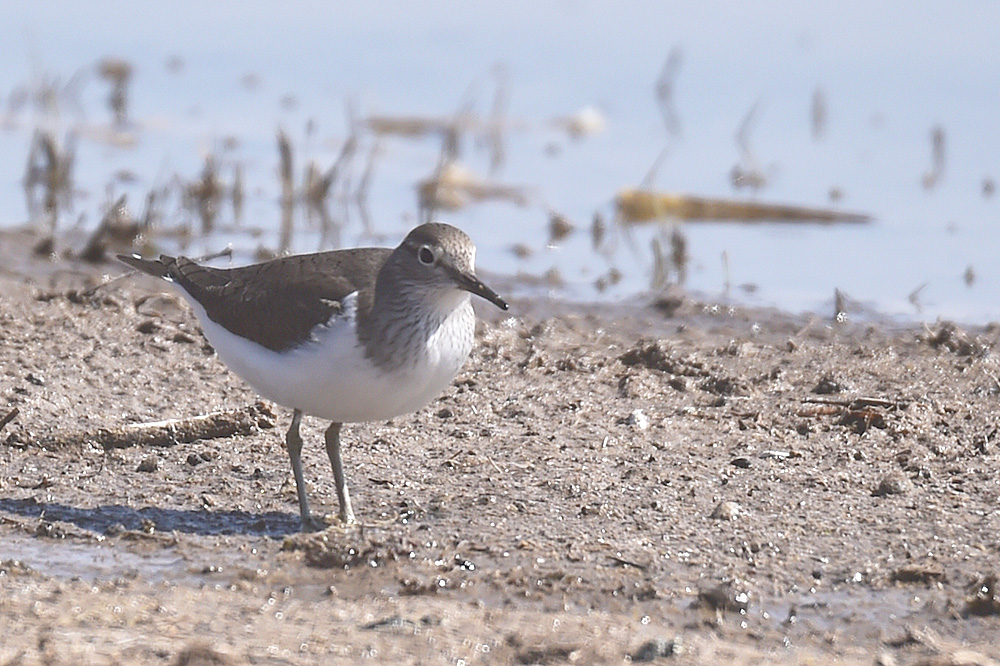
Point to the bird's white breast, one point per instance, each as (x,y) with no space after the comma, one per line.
(329,375)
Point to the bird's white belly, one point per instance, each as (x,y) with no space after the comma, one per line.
(330,377)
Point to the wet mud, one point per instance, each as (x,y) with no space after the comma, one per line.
(693,483)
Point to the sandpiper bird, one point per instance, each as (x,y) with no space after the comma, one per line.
(365,334)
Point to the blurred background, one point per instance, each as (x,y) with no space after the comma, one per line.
(836,158)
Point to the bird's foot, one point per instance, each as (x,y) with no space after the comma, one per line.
(325,522)
(312,524)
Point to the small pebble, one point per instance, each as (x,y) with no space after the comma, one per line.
(727,511)
(885,658)
(827,386)
(894,483)
(638,420)
(725,596)
(657,648)
(778,455)
(148,464)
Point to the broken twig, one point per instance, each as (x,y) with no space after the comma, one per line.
(856,403)
(213,425)
(9,417)
(621,561)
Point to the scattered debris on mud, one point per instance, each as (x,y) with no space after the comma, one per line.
(601,484)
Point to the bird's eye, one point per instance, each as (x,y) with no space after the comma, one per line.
(426,255)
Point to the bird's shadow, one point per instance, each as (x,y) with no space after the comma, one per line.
(115,518)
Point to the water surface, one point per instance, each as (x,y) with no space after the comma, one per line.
(223,79)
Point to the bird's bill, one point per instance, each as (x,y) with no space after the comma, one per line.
(474,285)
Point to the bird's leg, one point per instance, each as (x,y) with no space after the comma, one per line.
(333,450)
(294,443)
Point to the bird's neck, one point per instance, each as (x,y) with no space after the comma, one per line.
(398,325)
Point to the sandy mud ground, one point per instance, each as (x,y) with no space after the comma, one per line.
(676,483)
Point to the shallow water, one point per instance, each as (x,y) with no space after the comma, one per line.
(93,561)
(847,613)
(887,77)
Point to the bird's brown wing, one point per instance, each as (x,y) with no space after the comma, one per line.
(278,303)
